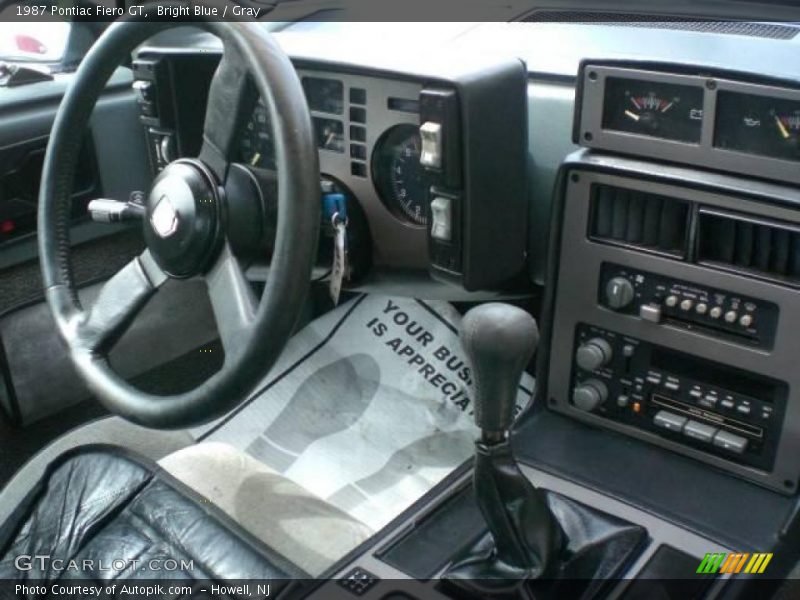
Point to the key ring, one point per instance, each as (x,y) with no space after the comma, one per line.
(336,222)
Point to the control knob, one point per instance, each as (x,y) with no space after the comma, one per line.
(590,394)
(593,354)
(619,293)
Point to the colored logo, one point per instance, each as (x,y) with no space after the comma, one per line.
(734,562)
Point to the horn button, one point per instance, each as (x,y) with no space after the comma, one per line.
(181,225)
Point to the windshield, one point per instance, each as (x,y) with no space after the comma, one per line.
(33,42)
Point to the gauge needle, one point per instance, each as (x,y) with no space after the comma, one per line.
(667,107)
(255,159)
(632,115)
(782,128)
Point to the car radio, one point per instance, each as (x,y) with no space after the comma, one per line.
(686,399)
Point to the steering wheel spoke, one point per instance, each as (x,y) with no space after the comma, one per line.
(231,95)
(119,301)
(232,300)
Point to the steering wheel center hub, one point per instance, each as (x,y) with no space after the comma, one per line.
(182,218)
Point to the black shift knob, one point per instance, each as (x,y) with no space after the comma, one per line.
(499,340)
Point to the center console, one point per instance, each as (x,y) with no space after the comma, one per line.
(677,300)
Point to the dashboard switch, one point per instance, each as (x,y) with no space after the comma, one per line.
(649,312)
(729,441)
(442,219)
(699,431)
(670,421)
(431,136)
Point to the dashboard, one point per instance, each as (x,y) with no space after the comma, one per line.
(651,200)
(423,171)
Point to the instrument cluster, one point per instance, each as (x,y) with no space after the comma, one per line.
(394,164)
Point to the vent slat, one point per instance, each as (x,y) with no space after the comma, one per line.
(652,216)
(744,244)
(635,217)
(640,219)
(767,249)
(619,221)
(604,211)
(780,252)
(763,248)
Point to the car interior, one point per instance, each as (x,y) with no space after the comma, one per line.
(403,309)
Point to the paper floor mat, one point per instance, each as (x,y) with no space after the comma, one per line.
(368,407)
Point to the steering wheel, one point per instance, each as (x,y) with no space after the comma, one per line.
(187,227)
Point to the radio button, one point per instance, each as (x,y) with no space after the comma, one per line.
(696,393)
(709,401)
(651,313)
(671,300)
(731,316)
(731,442)
(743,409)
(699,431)
(670,421)
(701,308)
(686,304)
(746,320)
(715,312)
(727,403)
(673,386)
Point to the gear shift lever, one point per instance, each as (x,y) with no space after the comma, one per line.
(500,340)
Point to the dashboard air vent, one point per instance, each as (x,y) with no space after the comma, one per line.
(640,219)
(762,248)
(775,31)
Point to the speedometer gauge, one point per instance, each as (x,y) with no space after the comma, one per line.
(399,178)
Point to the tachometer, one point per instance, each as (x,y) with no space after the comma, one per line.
(664,110)
(398,176)
(256,147)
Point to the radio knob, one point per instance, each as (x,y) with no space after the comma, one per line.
(593,354)
(619,293)
(590,394)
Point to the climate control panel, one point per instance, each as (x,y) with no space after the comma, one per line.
(710,311)
(684,398)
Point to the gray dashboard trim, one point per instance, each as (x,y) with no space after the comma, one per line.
(575,301)
(660,531)
(704,153)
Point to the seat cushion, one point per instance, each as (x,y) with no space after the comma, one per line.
(310,532)
(100,513)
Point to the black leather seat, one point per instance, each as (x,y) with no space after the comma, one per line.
(100,513)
